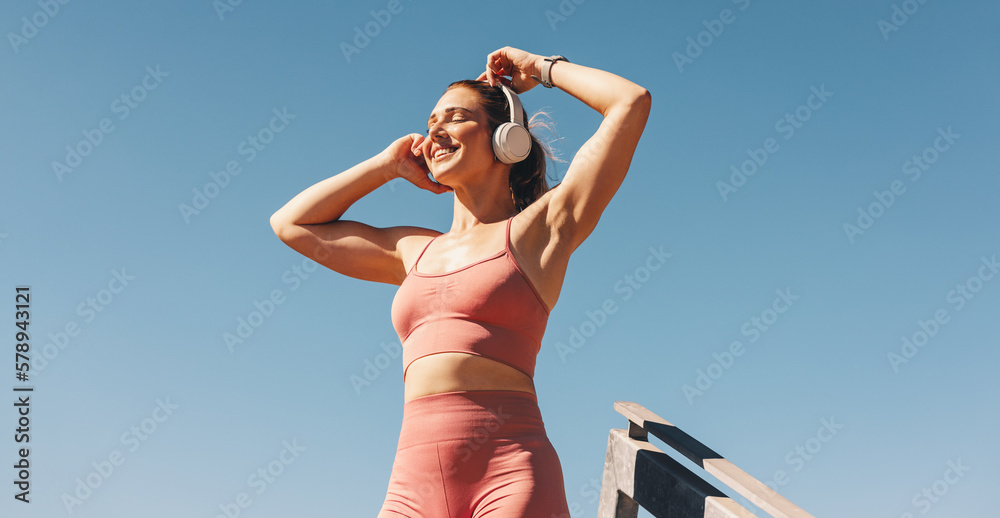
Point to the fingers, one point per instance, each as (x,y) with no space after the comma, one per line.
(496,66)
(418,166)
(508,66)
(494,78)
(416,172)
(489,68)
(415,146)
(420,176)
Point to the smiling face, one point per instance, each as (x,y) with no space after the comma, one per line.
(459,138)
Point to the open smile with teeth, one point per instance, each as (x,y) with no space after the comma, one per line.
(443,152)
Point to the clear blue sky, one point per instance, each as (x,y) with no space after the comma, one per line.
(132,296)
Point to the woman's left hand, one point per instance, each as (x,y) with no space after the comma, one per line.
(516,64)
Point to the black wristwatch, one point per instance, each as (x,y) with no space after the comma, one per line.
(546,79)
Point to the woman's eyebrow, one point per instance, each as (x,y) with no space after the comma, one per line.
(447,111)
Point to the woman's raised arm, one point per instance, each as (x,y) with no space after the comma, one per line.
(599,168)
(310,223)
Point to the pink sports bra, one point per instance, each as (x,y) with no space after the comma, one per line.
(488,308)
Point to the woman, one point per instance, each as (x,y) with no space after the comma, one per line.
(473,302)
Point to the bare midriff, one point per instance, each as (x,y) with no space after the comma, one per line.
(455,371)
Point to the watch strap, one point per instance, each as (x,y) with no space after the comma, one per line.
(546,79)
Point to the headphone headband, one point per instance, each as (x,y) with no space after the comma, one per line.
(515,105)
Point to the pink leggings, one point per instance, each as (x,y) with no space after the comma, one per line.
(475,454)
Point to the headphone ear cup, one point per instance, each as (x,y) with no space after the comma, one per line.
(511,143)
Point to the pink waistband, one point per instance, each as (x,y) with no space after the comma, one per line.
(475,415)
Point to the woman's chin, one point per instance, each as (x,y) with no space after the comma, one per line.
(443,172)
(440,175)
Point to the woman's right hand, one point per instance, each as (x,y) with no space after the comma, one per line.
(405,160)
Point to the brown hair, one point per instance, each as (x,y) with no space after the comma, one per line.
(527,177)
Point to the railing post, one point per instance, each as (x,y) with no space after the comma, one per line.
(614,503)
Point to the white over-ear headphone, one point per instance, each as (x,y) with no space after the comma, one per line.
(511,140)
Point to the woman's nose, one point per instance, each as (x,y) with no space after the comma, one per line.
(436,130)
